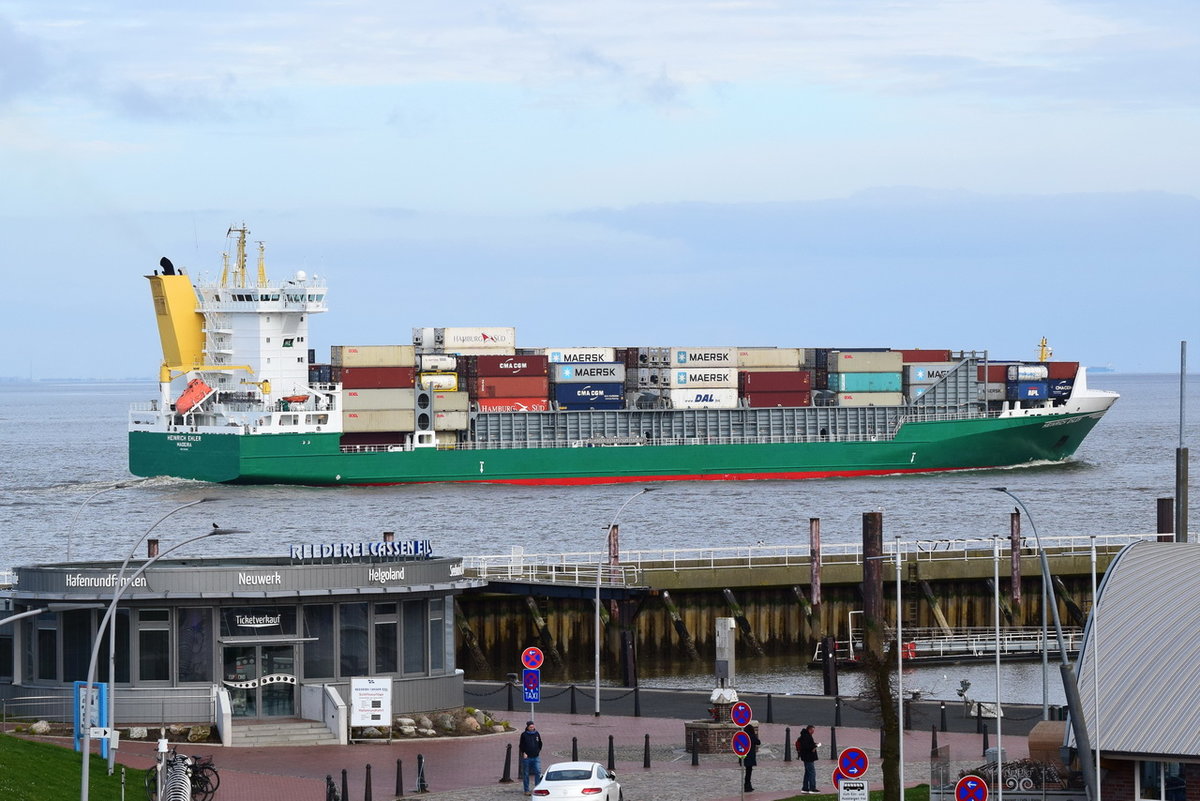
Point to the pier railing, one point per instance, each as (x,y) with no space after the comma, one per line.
(541,569)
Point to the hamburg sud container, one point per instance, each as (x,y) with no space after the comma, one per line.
(703,397)
(476,339)
(522,365)
(590,396)
(512,404)
(697,376)
(378,377)
(757,381)
(576,355)
(759,400)
(604,372)
(864,382)
(698,357)
(865,361)
(510,387)
(364,399)
(372,356)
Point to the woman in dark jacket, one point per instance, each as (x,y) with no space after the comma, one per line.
(751,757)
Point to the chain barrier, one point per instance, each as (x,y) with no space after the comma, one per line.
(482,695)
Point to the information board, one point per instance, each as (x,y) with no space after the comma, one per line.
(371,702)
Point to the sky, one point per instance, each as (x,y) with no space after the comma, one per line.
(966,174)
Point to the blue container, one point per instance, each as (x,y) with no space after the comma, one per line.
(585,395)
(864,382)
(1061,387)
(1027,390)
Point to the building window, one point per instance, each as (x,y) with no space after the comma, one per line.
(1161,781)
(77,628)
(386,644)
(154,645)
(6,656)
(194,644)
(318,653)
(437,636)
(353,639)
(47,653)
(414,636)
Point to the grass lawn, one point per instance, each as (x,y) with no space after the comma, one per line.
(34,771)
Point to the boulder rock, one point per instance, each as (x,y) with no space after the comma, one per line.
(41,727)
(198,734)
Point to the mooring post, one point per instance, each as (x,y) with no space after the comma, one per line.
(345,787)
(695,749)
(637,703)
(978,718)
(837,711)
(833,749)
(422,787)
(985,740)
(573,710)
(506,778)
(646,754)
(367,786)
(400,776)
(770,716)
(934,746)
(612,757)
(574,749)
(787,743)
(510,695)
(943,710)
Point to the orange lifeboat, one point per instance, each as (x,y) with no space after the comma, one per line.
(195,392)
(296,398)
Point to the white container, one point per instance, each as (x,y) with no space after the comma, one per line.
(450,421)
(581,355)
(704,357)
(385,399)
(870,399)
(927,373)
(438,363)
(1028,372)
(477,339)
(702,377)
(865,361)
(354,422)
(764,358)
(995,392)
(445,382)
(373,356)
(451,401)
(446,439)
(652,377)
(423,338)
(603,372)
(703,398)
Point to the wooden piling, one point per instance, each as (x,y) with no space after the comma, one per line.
(743,624)
(478,660)
(935,608)
(680,628)
(544,635)
(1015,558)
(872,584)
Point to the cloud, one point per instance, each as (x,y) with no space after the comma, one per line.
(22,63)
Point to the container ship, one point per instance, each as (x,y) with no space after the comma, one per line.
(244,399)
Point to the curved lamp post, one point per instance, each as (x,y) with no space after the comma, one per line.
(119,589)
(51,607)
(86,501)
(599,570)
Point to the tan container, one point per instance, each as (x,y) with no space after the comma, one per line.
(354,400)
(450,421)
(451,401)
(856,361)
(378,420)
(870,399)
(373,356)
(768,358)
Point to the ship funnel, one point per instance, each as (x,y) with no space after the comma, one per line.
(167,267)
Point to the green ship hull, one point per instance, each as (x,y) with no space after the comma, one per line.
(316,459)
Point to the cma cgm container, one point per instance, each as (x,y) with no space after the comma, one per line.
(864,382)
(702,377)
(363,399)
(761,400)
(604,372)
(869,399)
(577,355)
(531,365)
(795,381)
(378,377)
(512,404)
(574,395)
(703,398)
(701,357)
(865,361)
(373,356)
(514,387)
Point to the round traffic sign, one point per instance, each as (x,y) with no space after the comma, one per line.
(971,788)
(837,777)
(741,714)
(740,743)
(853,762)
(531,658)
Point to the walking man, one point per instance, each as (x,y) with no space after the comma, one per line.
(806,747)
(531,756)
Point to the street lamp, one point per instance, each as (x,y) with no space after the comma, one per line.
(600,569)
(86,501)
(1070,685)
(899,667)
(50,607)
(118,590)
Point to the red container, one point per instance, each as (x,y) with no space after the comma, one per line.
(488,366)
(758,381)
(919,355)
(519,387)
(1060,370)
(996,373)
(760,400)
(378,377)
(513,405)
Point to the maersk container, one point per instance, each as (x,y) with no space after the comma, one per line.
(865,361)
(437,363)
(373,355)
(607,372)
(759,381)
(378,420)
(927,373)
(757,358)
(1027,390)
(574,394)
(1061,387)
(512,404)
(703,398)
(869,399)
(1027,372)
(703,377)
(476,339)
(384,399)
(581,355)
(995,391)
(526,365)
(447,382)
(378,377)
(761,400)
(450,421)
(704,357)
(864,382)
(451,401)
(511,387)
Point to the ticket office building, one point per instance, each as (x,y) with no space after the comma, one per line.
(272,632)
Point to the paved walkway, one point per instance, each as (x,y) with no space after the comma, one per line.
(470,768)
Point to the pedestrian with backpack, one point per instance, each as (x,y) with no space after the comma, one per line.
(806,748)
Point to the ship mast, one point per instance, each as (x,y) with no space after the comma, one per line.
(1044,351)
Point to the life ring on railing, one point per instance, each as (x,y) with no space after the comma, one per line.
(908,650)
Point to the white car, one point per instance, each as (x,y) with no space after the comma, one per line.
(586,780)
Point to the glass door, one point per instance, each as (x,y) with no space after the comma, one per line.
(240,676)
(261,680)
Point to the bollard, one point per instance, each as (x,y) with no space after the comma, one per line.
(637,703)
(978,718)
(695,750)
(505,779)
(345,787)
(612,757)
(400,777)
(943,715)
(574,749)
(837,710)
(422,787)
(907,713)
(833,749)
(646,754)
(510,701)
(787,744)
(985,739)
(933,747)
(573,710)
(770,716)
(367,786)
